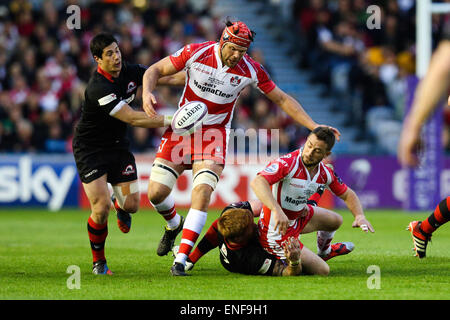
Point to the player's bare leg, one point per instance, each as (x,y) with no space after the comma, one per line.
(99,199)
(163,178)
(326,222)
(312,264)
(205,176)
(126,198)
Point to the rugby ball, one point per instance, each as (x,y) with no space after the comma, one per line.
(189,118)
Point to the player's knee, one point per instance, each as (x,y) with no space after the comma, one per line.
(338,220)
(156,195)
(334,221)
(100,207)
(202,192)
(323,269)
(131,204)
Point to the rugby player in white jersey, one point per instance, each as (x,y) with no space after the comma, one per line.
(216,73)
(284,188)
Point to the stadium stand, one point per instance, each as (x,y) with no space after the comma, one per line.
(321,52)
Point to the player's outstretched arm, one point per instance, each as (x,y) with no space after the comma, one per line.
(295,110)
(428,93)
(177,79)
(354,205)
(157,70)
(140,119)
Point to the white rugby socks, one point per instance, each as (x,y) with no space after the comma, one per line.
(323,242)
(167,210)
(193,225)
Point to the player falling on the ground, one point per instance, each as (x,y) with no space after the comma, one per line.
(286,184)
(216,73)
(431,89)
(236,235)
(100,146)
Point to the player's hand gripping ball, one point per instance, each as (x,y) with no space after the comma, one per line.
(189,118)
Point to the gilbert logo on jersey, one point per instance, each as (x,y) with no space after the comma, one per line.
(234,81)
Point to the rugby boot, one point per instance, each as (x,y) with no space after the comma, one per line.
(420,238)
(100,267)
(168,240)
(189,264)
(339,249)
(177,269)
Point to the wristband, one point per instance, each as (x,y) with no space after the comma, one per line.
(167,120)
(294,264)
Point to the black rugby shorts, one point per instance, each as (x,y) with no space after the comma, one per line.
(118,164)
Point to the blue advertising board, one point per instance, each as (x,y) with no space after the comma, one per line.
(33,180)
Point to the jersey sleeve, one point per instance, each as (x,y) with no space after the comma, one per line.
(104,96)
(181,57)
(337,186)
(264,82)
(278,169)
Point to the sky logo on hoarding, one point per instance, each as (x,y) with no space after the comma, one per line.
(20,183)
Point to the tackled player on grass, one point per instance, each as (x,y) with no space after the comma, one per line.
(285,186)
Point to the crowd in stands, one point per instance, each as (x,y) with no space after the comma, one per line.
(45,66)
(365,63)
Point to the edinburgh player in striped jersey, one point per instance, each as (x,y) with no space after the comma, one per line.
(236,236)
(100,146)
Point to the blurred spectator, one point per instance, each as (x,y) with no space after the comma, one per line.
(44,66)
(363,69)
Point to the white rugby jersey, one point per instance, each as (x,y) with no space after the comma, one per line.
(215,84)
(292,186)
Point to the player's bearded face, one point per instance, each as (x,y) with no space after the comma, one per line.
(314,151)
(231,54)
(111,60)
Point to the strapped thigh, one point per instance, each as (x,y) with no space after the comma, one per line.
(121,192)
(163,174)
(206,176)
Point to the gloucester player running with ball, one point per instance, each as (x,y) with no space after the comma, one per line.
(100,146)
(284,187)
(216,73)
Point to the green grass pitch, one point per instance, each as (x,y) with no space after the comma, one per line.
(37,247)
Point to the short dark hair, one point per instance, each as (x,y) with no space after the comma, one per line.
(100,42)
(325,134)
